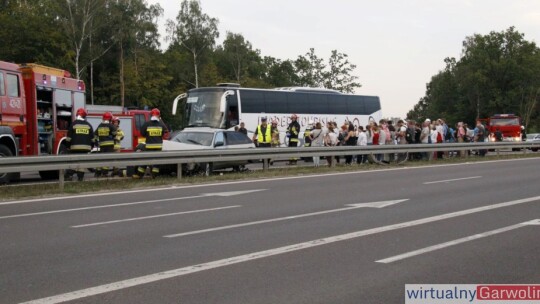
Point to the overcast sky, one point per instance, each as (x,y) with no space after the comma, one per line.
(397,46)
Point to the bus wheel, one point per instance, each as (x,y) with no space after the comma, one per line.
(5,178)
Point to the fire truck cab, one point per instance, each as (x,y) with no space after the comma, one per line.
(508,124)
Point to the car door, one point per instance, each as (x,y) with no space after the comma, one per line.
(238,140)
(220,143)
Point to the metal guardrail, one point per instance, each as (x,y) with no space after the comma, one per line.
(83,161)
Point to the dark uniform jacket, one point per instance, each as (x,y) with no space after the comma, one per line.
(293,129)
(106,133)
(153,130)
(80,137)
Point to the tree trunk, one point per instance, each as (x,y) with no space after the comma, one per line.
(122,89)
(91,67)
(196,71)
(77,55)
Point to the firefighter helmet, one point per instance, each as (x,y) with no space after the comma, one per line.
(294,116)
(107,116)
(81,112)
(155,112)
(116,119)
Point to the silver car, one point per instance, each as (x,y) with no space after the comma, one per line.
(534,137)
(205,139)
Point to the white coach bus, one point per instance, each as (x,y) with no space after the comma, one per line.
(226,105)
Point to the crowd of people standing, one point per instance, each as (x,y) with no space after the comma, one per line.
(384,132)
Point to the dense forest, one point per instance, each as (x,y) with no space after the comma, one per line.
(113,45)
(498,73)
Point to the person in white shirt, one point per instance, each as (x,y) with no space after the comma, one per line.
(433,134)
(330,140)
(424,138)
(362,141)
(317,140)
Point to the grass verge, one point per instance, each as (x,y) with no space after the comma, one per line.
(12,192)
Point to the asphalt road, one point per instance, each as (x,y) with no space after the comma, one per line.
(336,238)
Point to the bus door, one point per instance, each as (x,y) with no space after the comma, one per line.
(231,115)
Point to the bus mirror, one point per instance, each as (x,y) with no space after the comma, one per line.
(223,102)
(175,102)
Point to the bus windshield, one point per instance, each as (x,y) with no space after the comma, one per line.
(202,109)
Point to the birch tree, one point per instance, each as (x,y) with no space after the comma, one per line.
(194,31)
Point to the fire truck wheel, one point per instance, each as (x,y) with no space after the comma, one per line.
(53,175)
(6,177)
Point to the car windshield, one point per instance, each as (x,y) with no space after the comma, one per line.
(195,138)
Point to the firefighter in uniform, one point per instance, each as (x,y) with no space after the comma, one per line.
(153,131)
(79,140)
(105,134)
(117,140)
(292,133)
(263,134)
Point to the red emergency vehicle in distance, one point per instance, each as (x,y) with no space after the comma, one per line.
(508,124)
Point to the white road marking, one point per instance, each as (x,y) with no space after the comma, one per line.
(129,204)
(456,242)
(154,216)
(351,206)
(452,180)
(264,180)
(92,291)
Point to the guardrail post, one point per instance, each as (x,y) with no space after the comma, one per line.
(265,164)
(524,150)
(332,161)
(179,171)
(61,179)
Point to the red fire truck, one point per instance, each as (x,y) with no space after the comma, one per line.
(37,105)
(508,124)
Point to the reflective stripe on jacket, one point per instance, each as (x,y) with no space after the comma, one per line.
(266,137)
